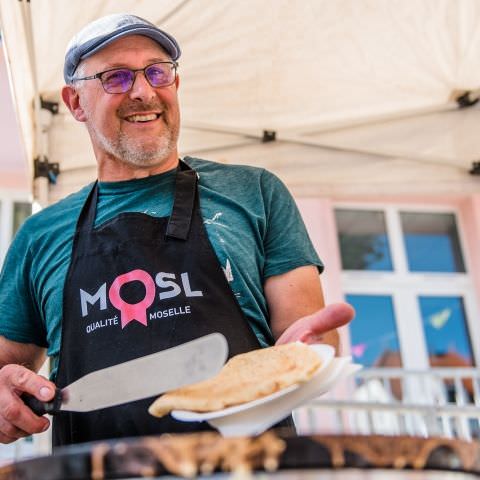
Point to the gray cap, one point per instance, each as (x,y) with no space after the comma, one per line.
(100,33)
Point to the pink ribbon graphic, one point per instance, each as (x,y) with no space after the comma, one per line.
(132,311)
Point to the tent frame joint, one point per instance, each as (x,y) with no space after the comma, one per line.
(475,170)
(468,99)
(52,107)
(43,168)
(269,136)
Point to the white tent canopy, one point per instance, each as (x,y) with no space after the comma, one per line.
(360,93)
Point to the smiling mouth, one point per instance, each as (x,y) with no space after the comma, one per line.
(137,118)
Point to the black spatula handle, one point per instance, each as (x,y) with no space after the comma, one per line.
(41,408)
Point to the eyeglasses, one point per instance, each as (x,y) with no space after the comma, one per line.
(121,80)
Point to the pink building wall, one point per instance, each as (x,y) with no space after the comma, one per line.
(471,225)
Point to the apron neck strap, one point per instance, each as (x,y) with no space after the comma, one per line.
(87,215)
(185,194)
(182,213)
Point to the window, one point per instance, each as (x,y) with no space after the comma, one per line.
(374,313)
(446,333)
(14,209)
(363,240)
(21,210)
(405,273)
(431,242)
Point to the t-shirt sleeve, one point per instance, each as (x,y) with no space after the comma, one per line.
(286,242)
(20,320)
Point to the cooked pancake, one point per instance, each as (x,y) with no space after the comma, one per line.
(243,378)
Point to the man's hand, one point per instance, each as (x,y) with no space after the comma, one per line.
(292,297)
(16,419)
(319,327)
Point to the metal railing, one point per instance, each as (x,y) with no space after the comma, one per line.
(395,401)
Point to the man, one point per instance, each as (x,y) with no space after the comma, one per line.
(158,252)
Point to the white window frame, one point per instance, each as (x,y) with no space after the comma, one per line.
(405,287)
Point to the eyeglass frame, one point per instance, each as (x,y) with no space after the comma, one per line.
(135,71)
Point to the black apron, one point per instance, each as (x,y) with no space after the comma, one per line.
(137,285)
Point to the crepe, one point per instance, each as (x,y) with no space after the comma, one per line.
(244,378)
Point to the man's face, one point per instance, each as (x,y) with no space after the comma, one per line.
(140,127)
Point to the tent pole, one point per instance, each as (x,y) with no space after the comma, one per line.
(40,184)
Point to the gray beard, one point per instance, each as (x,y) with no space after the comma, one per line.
(136,153)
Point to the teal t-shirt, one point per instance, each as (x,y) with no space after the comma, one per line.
(251,220)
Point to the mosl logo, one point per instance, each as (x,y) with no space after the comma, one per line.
(166,282)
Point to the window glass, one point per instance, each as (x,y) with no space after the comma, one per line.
(363,240)
(444,323)
(374,341)
(21,210)
(432,242)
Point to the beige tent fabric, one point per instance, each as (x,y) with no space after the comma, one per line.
(350,87)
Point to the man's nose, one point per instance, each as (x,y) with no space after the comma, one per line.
(141,89)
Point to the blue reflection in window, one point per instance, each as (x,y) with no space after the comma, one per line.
(373,333)
(432,242)
(363,240)
(430,253)
(444,323)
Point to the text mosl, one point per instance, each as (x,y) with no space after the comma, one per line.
(164,285)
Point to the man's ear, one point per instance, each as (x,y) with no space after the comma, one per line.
(177,81)
(72,101)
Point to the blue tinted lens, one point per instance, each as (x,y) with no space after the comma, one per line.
(117,81)
(160,74)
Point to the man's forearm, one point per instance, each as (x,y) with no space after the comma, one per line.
(27,354)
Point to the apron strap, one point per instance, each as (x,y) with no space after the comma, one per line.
(185,194)
(87,217)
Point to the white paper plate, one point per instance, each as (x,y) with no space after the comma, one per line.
(256,420)
(326,354)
